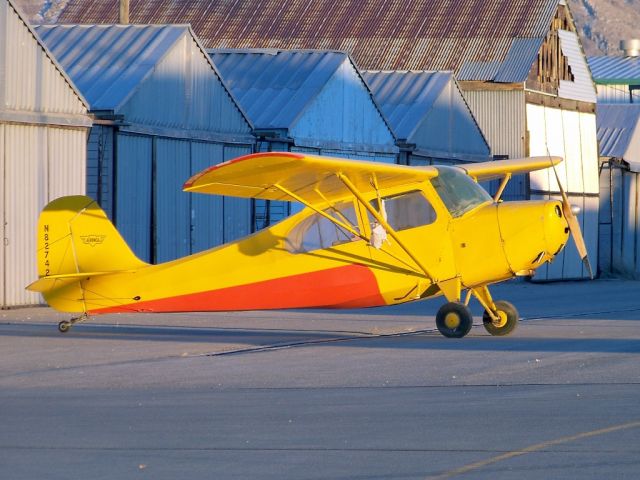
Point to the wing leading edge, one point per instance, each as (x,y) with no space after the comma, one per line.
(277,175)
(293,176)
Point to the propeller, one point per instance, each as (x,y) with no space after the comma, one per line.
(574,226)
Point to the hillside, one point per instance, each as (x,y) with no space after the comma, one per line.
(601,23)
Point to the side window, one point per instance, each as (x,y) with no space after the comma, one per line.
(407,210)
(316,232)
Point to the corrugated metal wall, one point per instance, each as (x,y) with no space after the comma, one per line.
(133,192)
(344,113)
(501,116)
(40,164)
(157,219)
(449,128)
(32,81)
(605,222)
(67,161)
(171,209)
(178,121)
(43,129)
(427,109)
(28,144)
(238,212)
(206,210)
(582,87)
(617,94)
(197,102)
(571,135)
(424,160)
(2,221)
(356,155)
(619,222)
(100,175)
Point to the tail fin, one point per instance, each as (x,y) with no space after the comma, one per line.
(76,240)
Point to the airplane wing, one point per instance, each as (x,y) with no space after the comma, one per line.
(310,177)
(490,170)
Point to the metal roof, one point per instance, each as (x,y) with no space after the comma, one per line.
(610,70)
(275,86)
(406,97)
(619,131)
(108,62)
(428,109)
(517,63)
(480,39)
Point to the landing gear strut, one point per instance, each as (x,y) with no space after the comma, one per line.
(65,325)
(500,317)
(507,319)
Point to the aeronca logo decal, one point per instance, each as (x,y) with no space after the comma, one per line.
(92,240)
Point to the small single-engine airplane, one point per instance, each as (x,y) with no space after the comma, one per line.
(371,234)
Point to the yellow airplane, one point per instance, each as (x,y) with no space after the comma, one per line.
(371,234)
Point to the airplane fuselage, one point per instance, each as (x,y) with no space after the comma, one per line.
(301,262)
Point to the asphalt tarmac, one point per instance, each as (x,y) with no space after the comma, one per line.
(367,394)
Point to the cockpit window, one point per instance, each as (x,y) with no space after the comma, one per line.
(458,191)
(405,211)
(316,232)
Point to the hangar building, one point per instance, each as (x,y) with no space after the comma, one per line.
(43,133)
(161,114)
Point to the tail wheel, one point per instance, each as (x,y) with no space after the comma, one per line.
(507,322)
(454,320)
(64,326)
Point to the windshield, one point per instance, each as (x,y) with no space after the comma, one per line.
(458,191)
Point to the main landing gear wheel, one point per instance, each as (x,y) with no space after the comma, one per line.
(454,320)
(508,319)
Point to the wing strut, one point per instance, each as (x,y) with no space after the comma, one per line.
(379,218)
(503,184)
(341,224)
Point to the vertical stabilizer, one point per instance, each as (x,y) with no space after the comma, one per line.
(76,241)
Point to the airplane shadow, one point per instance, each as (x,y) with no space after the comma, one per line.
(171,333)
(477,340)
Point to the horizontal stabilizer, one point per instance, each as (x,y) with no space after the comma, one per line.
(46,283)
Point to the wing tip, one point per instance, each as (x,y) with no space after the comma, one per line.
(190,184)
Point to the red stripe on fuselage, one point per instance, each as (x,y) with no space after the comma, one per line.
(351,286)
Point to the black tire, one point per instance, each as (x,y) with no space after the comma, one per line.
(64,326)
(454,320)
(509,326)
